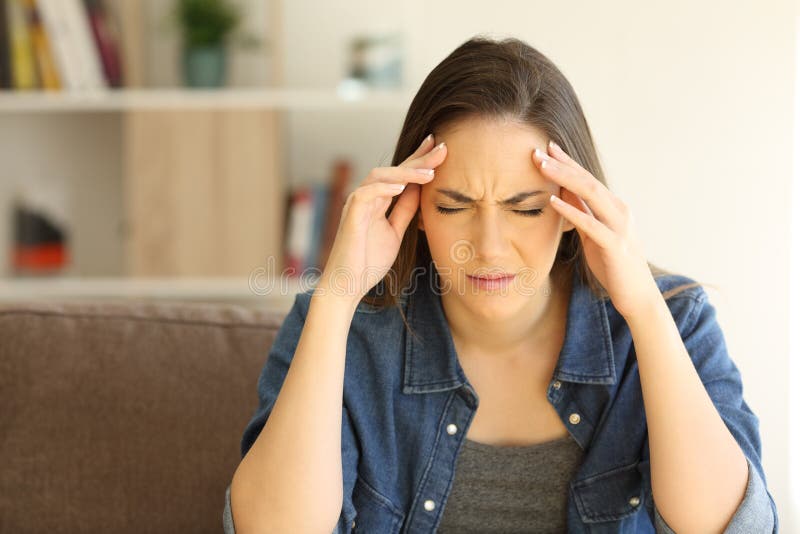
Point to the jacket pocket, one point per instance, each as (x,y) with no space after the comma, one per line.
(374,512)
(611,495)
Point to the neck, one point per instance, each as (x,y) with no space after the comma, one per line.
(532,331)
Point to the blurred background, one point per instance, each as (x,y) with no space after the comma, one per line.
(202,149)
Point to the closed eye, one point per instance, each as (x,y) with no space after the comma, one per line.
(526,213)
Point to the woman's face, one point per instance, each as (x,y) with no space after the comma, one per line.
(470,231)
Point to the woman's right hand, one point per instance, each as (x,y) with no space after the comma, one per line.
(367,241)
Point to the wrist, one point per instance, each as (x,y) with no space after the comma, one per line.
(340,297)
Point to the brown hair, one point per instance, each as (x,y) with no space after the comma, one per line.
(496,79)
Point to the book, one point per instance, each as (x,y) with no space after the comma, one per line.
(5,49)
(320,194)
(106,41)
(91,69)
(298,230)
(313,213)
(23,62)
(337,195)
(64,51)
(45,64)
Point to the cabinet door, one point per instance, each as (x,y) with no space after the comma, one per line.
(204,193)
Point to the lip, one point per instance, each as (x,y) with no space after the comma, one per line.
(491,276)
(491,281)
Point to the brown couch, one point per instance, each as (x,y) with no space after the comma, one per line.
(125,416)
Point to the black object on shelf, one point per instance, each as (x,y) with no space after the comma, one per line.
(40,245)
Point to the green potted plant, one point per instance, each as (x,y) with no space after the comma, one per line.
(205,26)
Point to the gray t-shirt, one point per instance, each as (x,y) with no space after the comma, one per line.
(511,489)
(502,489)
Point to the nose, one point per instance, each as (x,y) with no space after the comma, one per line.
(491,237)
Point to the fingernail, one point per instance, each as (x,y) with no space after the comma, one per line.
(426,139)
(399,187)
(427,172)
(440,145)
(552,144)
(541,155)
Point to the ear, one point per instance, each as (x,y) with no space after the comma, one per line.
(566,225)
(420,224)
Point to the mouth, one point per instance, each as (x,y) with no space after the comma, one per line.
(491,281)
(494,276)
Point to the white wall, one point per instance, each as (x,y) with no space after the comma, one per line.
(690,104)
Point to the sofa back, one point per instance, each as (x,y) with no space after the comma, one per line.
(125,416)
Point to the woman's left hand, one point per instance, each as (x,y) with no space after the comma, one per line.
(605,225)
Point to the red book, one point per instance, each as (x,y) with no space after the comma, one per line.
(339,183)
(106,40)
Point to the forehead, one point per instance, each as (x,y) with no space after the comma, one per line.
(481,150)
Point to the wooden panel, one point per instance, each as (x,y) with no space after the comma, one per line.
(251,203)
(204,194)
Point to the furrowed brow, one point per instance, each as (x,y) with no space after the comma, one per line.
(515,199)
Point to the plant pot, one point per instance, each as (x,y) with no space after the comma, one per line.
(204,66)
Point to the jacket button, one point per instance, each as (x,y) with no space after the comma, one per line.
(574,419)
(634,501)
(429,505)
(557,384)
(452,429)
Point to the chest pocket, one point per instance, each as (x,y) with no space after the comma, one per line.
(374,512)
(610,496)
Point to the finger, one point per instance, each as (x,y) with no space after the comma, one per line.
(370,192)
(572,198)
(557,152)
(364,195)
(596,230)
(399,175)
(431,159)
(405,209)
(425,146)
(581,183)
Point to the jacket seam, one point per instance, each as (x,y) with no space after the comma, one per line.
(380,497)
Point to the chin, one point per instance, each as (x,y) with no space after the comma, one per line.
(494,304)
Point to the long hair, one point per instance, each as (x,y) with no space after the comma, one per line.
(486,78)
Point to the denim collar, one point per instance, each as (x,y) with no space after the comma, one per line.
(431,363)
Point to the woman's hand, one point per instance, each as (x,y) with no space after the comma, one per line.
(605,225)
(367,241)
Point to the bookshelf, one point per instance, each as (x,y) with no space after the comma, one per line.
(240,291)
(170,99)
(189,184)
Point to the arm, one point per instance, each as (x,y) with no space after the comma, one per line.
(296,458)
(755,514)
(704,443)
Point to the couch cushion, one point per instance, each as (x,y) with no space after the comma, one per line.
(125,416)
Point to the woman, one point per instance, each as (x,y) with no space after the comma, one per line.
(506,358)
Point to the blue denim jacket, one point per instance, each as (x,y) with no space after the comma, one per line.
(408,406)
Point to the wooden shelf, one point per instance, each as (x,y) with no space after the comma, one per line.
(279,294)
(343,97)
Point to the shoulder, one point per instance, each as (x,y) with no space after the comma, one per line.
(679,286)
(686,298)
(370,324)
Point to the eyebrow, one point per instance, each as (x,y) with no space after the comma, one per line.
(515,199)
